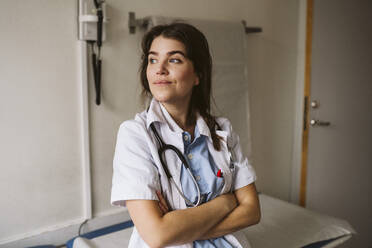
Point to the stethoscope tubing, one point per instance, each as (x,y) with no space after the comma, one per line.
(161,151)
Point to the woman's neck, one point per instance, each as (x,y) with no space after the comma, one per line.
(179,113)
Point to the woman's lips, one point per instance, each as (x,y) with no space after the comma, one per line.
(160,82)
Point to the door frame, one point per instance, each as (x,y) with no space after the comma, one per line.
(300,137)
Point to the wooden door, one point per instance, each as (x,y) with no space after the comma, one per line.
(339,162)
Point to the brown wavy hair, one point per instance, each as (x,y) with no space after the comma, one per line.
(197,51)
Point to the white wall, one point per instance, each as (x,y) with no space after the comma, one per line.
(272,60)
(41,168)
(40,146)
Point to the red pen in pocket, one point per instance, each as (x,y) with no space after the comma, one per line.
(219,173)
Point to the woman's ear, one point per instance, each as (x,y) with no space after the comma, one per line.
(196,81)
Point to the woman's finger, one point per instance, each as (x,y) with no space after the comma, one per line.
(163,210)
(161,205)
(162,201)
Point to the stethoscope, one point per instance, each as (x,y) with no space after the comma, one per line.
(163,147)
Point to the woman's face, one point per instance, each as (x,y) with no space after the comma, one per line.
(170,74)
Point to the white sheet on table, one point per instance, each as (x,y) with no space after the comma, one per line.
(287,225)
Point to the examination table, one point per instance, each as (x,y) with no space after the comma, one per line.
(282,225)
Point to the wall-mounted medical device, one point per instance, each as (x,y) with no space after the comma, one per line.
(89,11)
(92,19)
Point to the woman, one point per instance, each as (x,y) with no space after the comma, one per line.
(176,75)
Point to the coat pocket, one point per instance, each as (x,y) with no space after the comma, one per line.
(222,160)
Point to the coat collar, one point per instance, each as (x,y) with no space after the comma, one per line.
(157,113)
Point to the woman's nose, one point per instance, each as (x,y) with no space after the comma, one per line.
(162,69)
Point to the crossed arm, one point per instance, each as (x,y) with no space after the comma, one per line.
(225,214)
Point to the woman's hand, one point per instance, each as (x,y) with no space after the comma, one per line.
(162,203)
(246,213)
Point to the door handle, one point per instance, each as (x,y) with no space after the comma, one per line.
(319,123)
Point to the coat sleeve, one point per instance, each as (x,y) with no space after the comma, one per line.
(244,171)
(135,176)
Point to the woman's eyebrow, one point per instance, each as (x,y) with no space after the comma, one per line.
(168,53)
(154,53)
(176,51)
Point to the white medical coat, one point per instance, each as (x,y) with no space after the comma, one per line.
(138,173)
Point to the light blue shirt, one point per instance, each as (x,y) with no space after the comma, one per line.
(205,173)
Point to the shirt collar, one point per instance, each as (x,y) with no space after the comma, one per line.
(154,113)
(202,126)
(158,113)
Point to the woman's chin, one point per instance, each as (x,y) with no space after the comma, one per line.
(171,99)
(163,97)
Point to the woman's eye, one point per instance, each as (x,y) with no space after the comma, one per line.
(175,60)
(152,61)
